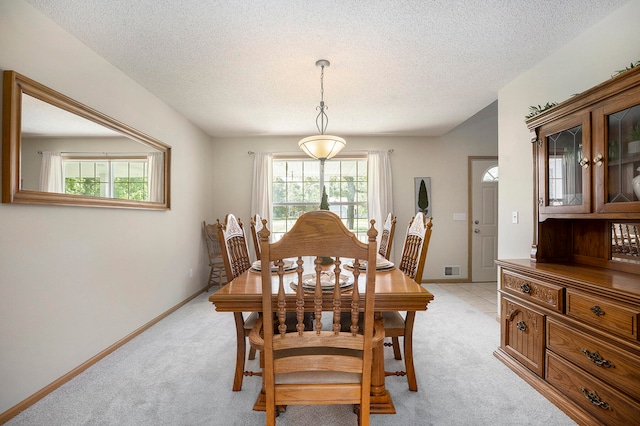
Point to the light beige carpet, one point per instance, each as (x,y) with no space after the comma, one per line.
(180,372)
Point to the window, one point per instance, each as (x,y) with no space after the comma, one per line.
(491,175)
(122,178)
(296,189)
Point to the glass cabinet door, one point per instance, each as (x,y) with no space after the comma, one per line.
(564,161)
(621,151)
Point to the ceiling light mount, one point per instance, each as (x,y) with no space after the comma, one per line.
(322,147)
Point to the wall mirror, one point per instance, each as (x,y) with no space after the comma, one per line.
(58,151)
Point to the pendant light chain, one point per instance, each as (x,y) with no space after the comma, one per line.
(324,119)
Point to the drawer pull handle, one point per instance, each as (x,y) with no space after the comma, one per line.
(520,325)
(596,358)
(593,398)
(525,288)
(597,310)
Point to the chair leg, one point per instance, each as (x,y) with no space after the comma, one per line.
(210,279)
(240,351)
(221,273)
(408,351)
(396,347)
(252,353)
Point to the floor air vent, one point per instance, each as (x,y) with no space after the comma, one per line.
(452,271)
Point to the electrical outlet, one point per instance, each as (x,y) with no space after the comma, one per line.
(190,272)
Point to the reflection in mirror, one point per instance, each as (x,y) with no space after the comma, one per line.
(61,152)
(625,242)
(64,153)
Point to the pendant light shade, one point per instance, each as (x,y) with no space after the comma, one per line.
(322,147)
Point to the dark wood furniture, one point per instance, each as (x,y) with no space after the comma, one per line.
(317,364)
(395,291)
(569,314)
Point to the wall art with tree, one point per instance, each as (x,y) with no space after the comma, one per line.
(423,195)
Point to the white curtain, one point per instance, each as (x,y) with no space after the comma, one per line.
(156,176)
(380,194)
(261,188)
(51,172)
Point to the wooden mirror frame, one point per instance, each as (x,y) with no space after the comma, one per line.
(15,85)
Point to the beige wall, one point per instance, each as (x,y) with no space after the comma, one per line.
(583,63)
(75,280)
(444,159)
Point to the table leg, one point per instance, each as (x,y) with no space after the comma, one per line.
(381,402)
(240,351)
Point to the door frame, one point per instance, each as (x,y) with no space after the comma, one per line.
(470,160)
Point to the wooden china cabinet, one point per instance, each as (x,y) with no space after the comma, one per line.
(569,314)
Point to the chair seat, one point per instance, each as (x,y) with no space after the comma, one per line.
(393,321)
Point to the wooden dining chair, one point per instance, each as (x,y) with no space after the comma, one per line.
(386,239)
(322,365)
(216,263)
(256,226)
(414,254)
(236,261)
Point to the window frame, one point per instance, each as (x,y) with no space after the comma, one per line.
(111,160)
(336,205)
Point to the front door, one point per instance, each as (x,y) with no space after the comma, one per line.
(484,219)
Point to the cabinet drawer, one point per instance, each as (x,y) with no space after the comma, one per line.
(544,294)
(522,335)
(600,400)
(613,366)
(609,316)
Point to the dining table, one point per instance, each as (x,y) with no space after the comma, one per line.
(394,291)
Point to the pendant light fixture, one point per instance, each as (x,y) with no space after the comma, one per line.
(322,147)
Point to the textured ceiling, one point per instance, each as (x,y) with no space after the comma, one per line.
(402,67)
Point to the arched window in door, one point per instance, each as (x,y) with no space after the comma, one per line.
(490,175)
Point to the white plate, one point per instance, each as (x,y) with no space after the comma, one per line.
(327,280)
(381,265)
(345,287)
(288,265)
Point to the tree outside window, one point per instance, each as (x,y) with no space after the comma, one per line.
(113,178)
